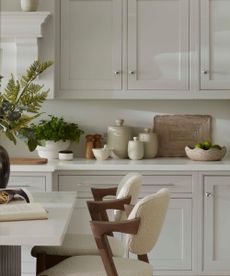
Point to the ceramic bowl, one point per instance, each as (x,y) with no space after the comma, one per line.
(212,154)
(65,155)
(101,153)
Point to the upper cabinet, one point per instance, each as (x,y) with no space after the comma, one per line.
(158,48)
(215,44)
(90,47)
(143,49)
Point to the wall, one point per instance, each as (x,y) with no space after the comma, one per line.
(95,116)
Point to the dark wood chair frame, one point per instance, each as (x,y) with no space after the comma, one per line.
(101,229)
(98,211)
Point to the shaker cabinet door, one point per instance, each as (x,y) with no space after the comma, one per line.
(215,44)
(90,45)
(217,224)
(173,250)
(158,44)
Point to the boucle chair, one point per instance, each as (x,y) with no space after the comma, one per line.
(143,228)
(127,192)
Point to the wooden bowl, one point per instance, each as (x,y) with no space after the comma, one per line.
(212,154)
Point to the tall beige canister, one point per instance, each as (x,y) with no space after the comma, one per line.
(118,138)
(150,143)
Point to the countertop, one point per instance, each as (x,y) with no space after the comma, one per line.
(156,164)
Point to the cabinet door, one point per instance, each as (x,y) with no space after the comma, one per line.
(173,250)
(90,45)
(158,51)
(217,224)
(215,44)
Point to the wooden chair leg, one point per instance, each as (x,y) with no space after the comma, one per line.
(41,262)
(46,261)
(143,258)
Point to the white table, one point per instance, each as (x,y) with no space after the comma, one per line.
(14,234)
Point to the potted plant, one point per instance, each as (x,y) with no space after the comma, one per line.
(54,135)
(20,104)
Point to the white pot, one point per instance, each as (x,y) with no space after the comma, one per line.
(51,149)
(135,149)
(29,5)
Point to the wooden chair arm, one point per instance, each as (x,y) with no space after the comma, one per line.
(100,228)
(97,209)
(100,193)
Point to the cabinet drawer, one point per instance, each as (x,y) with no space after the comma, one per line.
(175,183)
(83,183)
(151,183)
(32,183)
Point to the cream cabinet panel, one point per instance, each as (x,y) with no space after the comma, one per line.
(215,44)
(173,250)
(158,44)
(217,224)
(90,45)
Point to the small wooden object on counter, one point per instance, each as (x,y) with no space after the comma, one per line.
(97,141)
(89,146)
(28,161)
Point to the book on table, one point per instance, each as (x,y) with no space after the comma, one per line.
(18,204)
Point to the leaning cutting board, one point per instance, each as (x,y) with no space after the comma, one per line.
(174,132)
(28,161)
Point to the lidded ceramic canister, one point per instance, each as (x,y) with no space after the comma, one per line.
(118,138)
(150,143)
(135,149)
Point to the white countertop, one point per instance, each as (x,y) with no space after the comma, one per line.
(60,206)
(156,164)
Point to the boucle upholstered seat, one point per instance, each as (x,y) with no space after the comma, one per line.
(93,266)
(84,244)
(144,222)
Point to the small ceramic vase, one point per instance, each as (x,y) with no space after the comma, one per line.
(135,149)
(150,143)
(118,138)
(29,5)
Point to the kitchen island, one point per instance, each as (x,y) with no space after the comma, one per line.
(195,237)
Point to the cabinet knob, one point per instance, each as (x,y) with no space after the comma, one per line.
(117,73)
(131,72)
(205,72)
(208,194)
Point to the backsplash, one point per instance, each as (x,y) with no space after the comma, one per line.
(95,116)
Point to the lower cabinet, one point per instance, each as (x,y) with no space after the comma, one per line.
(216,224)
(173,252)
(34,182)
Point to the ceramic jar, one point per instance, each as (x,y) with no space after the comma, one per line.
(29,5)
(150,143)
(135,149)
(118,138)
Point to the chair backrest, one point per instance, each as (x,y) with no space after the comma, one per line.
(151,210)
(129,185)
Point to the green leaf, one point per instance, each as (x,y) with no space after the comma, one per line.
(21,101)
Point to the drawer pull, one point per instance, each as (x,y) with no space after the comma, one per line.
(208,194)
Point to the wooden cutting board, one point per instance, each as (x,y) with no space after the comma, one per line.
(28,161)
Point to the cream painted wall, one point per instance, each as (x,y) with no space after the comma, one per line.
(95,116)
